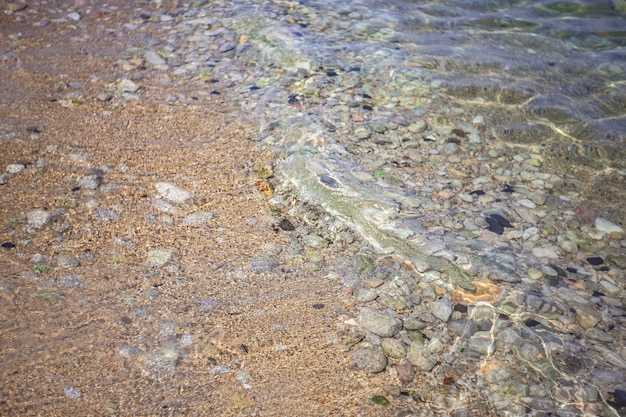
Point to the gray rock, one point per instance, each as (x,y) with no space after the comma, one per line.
(172,192)
(393,348)
(159,257)
(73,392)
(263,263)
(315,241)
(198,217)
(71,281)
(605,226)
(442,309)
(14,168)
(90,182)
(127,86)
(38,218)
(369,359)
(421,358)
(482,343)
(66,261)
(380,324)
(586,315)
(105,215)
(154,58)
(164,206)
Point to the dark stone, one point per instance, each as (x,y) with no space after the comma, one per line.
(255,87)
(366,107)
(459,132)
(494,226)
(508,189)
(329,181)
(477,192)
(595,260)
(501,220)
(531,323)
(331,73)
(318,306)
(286,225)
(8,245)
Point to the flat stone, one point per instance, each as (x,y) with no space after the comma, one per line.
(154,58)
(605,226)
(263,263)
(14,168)
(197,218)
(547,252)
(159,257)
(369,359)
(172,192)
(380,324)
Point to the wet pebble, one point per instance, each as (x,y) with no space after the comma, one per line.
(369,359)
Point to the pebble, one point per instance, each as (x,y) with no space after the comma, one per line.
(421,358)
(264,263)
(198,218)
(369,359)
(376,124)
(442,309)
(15,168)
(38,218)
(173,193)
(159,257)
(605,226)
(380,324)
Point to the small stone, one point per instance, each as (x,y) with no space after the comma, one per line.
(380,324)
(527,203)
(159,257)
(75,16)
(105,215)
(586,315)
(164,206)
(154,58)
(73,392)
(263,263)
(90,182)
(393,348)
(605,226)
(421,358)
(369,359)
(442,309)
(172,192)
(38,218)
(198,217)
(417,127)
(569,246)
(127,86)
(66,261)
(14,168)
(482,343)
(315,241)
(16,6)
(362,133)
(547,252)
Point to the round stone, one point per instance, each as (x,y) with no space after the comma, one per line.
(369,359)
(380,324)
